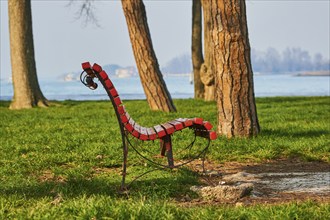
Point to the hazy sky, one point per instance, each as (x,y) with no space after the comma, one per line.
(62,43)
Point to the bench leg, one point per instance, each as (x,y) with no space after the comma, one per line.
(125,153)
(166,145)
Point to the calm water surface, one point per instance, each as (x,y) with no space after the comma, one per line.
(179,87)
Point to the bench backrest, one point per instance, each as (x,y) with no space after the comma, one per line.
(126,122)
(122,115)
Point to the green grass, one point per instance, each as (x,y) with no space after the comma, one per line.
(71,153)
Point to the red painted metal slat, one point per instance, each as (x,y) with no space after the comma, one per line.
(168,128)
(104,75)
(108,84)
(113,92)
(151,133)
(143,134)
(180,120)
(121,109)
(160,131)
(186,121)
(130,125)
(86,65)
(124,118)
(207,125)
(117,101)
(97,68)
(198,121)
(136,131)
(178,125)
(213,135)
(87,68)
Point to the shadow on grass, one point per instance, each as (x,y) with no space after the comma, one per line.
(4,104)
(295,134)
(167,186)
(70,188)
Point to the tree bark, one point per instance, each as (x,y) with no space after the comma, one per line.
(237,114)
(152,80)
(206,71)
(27,93)
(197,49)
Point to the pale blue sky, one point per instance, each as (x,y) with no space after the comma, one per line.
(61,43)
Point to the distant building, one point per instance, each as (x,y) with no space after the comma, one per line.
(71,77)
(126,72)
(68,77)
(122,73)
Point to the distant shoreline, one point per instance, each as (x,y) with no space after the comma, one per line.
(314,73)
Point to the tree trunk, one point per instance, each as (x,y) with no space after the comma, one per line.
(206,71)
(237,114)
(196,48)
(27,93)
(152,80)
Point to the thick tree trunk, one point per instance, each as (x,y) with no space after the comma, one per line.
(196,48)
(206,71)
(237,114)
(27,93)
(152,80)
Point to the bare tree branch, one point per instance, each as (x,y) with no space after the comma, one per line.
(86,12)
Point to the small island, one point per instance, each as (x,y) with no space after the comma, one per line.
(315,73)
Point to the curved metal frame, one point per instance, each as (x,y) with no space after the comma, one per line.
(164,167)
(175,166)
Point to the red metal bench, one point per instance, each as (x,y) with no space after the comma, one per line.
(128,126)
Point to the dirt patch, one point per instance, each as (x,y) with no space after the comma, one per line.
(49,176)
(273,182)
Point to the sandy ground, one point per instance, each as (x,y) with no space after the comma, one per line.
(277,181)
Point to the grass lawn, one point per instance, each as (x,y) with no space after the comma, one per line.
(64,162)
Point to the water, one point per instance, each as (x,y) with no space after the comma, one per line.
(289,85)
(179,87)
